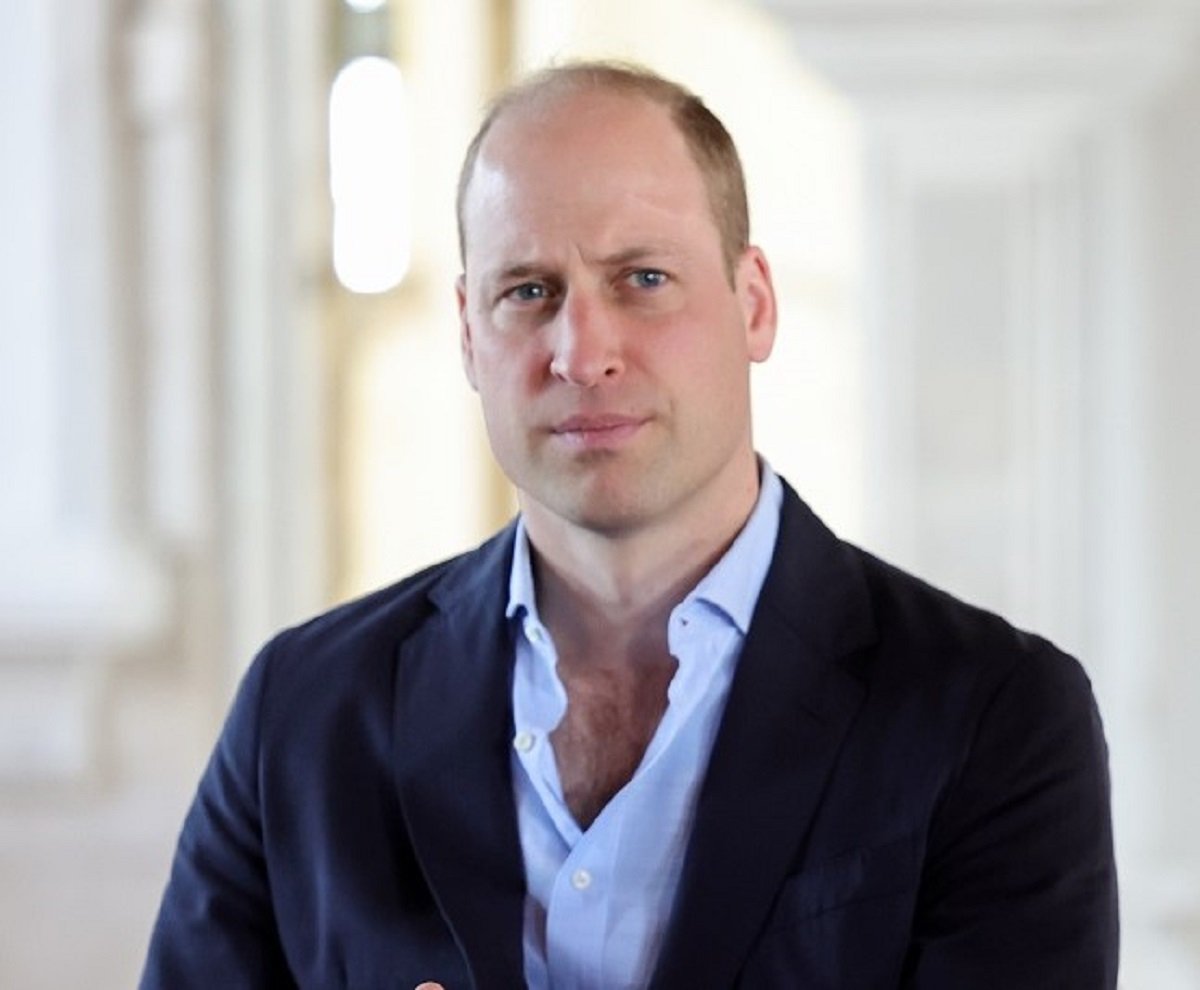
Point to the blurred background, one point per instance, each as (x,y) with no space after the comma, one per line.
(230,392)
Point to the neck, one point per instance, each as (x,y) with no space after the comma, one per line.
(616,591)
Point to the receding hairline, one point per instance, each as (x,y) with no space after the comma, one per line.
(708,142)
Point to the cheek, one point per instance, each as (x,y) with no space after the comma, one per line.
(717,383)
(704,352)
(502,428)
(503,396)
(510,366)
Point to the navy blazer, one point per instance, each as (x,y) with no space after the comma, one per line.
(904,792)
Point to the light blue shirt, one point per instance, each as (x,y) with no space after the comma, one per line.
(599,900)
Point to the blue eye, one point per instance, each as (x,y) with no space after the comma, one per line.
(528,291)
(648,278)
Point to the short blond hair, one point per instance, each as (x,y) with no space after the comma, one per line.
(706,138)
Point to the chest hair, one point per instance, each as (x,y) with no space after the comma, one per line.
(612,714)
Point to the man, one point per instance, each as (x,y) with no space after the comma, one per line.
(666,730)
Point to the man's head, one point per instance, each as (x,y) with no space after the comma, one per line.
(605,326)
(707,140)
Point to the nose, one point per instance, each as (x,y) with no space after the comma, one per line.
(587,341)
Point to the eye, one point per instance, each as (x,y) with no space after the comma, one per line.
(528,292)
(648,278)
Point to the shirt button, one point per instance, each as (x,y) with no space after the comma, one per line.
(523,741)
(581,879)
(534,632)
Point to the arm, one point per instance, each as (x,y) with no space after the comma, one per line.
(216,926)
(1019,888)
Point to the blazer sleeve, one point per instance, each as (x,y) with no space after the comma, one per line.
(216,926)
(1019,887)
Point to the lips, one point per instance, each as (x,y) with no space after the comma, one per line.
(597,430)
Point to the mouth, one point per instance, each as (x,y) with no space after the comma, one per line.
(597,431)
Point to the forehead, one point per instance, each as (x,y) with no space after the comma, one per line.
(591,161)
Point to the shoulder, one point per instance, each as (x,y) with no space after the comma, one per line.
(930,621)
(902,634)
(353,646)
(989,685)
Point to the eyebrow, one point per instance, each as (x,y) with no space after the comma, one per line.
(523,270)
(529,269)
(624,257)
(637,253)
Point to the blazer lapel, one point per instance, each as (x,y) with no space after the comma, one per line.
(792,700)
(453,732)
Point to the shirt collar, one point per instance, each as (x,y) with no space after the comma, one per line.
(733,583)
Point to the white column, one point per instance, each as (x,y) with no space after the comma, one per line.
(275,459)
(80,584)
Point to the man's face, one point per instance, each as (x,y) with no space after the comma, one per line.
(599,327)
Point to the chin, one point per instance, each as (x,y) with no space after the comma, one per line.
(609,516)
(600,509)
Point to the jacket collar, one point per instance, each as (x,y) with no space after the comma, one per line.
(793,698)
(453,731)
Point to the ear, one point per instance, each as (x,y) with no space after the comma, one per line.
(756,295)
(466,345)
